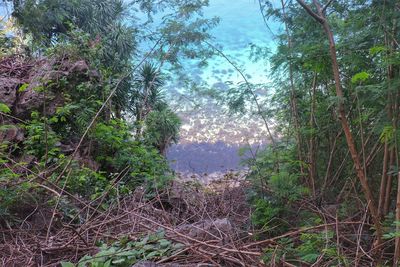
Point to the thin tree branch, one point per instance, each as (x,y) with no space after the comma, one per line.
(309,11)
(326,6)
(250,90)
(264,18)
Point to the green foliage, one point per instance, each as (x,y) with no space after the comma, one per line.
(4,108)
(89,183)
(274,189)
(126,253)
(47,20)
(23,88)
(95,36)
(7,42)
(388,134)
(147,87)
(313,245)
(265,214)
(304,109)
(116,150)
(377,49)
(40,139)
(286,186)
(309,248)
(162,129)
(15,193)
(360,77)
(283,180)
(391,227)
(94,30)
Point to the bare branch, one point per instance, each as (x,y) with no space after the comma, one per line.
(326,6)
(250,90)
(309,11)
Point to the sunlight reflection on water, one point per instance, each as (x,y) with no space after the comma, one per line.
(210,141)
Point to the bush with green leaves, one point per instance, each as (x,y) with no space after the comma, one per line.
(50,139)
(79,52)
(116,150)
(125,253)
(14,192)
(266,216)
(40,140)
(123,164)
(162,129)
(308,248)
(276,185)
(391,226)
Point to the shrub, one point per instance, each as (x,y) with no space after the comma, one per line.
(127,253)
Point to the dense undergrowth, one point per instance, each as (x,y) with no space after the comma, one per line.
(336,67)
(42,128)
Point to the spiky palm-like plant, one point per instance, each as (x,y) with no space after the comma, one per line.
(162,129)
(146,94)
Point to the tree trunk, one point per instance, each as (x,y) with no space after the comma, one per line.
(320,17)
(388,189)
(293,101)
(382,189)
(396,257)
(312,152)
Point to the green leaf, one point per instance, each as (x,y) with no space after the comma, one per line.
(164,242)
(391,235)
(23,87)
(387,134)
(152,254)
(67,264)
(312,257)
(360,77)
(377,49)
(129,253)
(38,89)
(4,108)
(118,261)
(178,246)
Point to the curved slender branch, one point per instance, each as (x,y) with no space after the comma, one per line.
(250,90)
(309,11)
(265,20)
(327,5)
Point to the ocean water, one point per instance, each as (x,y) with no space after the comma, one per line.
(211,139)
(241,25)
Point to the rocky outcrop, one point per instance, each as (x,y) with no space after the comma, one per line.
(28,85)
(25,86)
(8,90)
(11,133)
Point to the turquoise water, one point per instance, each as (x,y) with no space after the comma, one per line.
(241,25)
(210,139)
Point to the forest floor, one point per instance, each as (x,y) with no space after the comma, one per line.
(211,222)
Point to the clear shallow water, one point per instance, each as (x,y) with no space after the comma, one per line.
(241,25)
(210,140)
